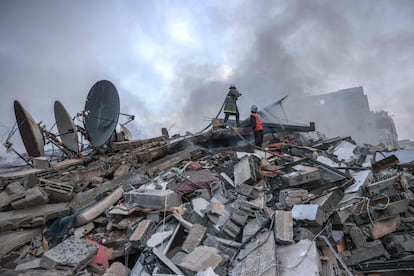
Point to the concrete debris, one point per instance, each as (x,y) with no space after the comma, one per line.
(203,205)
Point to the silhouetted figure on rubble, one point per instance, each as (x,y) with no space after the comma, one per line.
(257,126)
(230,105)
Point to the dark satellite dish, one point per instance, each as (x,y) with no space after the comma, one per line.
(67,130)
(29,131)
(101,112)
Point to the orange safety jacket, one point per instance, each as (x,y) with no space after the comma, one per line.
(259,124)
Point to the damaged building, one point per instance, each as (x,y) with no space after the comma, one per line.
(350,109)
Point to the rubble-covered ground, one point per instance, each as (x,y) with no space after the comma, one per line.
(174,206)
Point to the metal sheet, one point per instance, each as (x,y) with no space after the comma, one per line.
(102,106)
(66,128)
(29,131)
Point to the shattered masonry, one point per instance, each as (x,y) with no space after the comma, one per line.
(176,206)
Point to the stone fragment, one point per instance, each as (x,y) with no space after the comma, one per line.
(122,170)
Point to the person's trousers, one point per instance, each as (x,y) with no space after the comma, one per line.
(258,138)
(227,115)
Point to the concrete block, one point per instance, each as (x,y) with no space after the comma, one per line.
(58,191)
(41,162)
(283,227)
(30,181)
(310,213)
(154,199)
(387,186)
(194,237)
(301,175)
(201,258)
(72,254)
(246,171)
(399,244)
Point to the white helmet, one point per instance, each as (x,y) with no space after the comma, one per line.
(253,108)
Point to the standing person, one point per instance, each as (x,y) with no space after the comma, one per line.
(257,126)
(230,106)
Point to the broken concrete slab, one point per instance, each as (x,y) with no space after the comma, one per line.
(14,239)
(153,199)
(362,179)
(32,217)
(301,258)
(38,263)
(201,258)
(372,250)
(94,211)
(88,198)
(194,238)
(247,170)
(72,254)
(32,197)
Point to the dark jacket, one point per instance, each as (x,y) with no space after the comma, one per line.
(230,106)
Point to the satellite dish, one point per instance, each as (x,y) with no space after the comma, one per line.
(29,131)
(102,112)
(67,130)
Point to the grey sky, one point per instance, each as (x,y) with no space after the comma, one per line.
(172,61)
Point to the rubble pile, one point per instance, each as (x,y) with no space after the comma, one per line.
(167,206)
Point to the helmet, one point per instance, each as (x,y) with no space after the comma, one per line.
(232,86)
(253,108)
